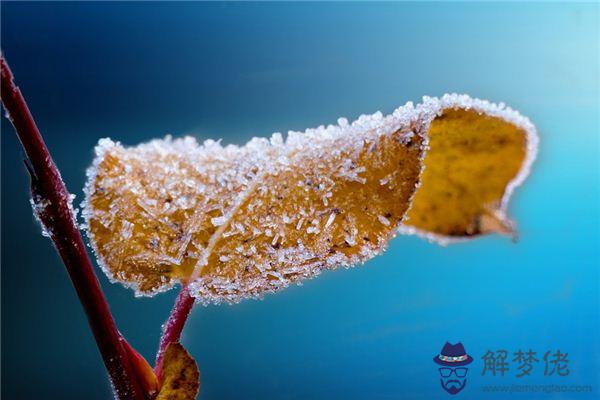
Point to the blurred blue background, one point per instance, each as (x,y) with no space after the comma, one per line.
(233,71)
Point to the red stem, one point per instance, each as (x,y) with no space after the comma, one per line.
(174,325)
(57,218)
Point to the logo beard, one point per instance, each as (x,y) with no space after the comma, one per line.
(453,386)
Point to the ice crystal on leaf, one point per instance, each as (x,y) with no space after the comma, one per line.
(239,221)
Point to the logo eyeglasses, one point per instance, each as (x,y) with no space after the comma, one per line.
(459,372)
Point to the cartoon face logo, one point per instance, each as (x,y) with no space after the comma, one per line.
(452,360)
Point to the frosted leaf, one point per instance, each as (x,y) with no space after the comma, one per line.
(238,221)
(265,215)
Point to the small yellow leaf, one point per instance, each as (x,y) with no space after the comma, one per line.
(180,377)
(478,154)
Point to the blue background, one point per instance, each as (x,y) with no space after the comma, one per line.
(138,71)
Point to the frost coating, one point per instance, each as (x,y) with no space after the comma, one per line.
(39,205)
(238,222)
(241,221)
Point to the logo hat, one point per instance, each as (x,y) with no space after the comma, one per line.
(453,355)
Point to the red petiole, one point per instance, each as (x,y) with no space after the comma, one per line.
(54,212)
(174,326)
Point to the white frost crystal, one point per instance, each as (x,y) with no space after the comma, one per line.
(38,205)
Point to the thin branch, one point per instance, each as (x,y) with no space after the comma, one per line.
(174,325)
(53,207)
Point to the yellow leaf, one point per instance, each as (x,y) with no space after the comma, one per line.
(479,152)
(237,222)
(241,221)
(180,377)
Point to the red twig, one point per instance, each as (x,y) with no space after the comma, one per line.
(54,211)
(174,325)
